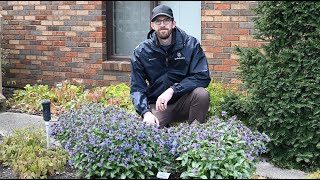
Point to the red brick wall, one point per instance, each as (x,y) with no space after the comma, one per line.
(226,24)
(57,40)
(54,40)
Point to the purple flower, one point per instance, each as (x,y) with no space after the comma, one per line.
(194,145)
(249,157)
(185,148)
(194,171)
(223,113)
(216,135)
(112,158)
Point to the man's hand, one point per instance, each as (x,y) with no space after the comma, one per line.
(151,119)
(163,99)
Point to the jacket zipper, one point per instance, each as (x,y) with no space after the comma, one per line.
(167,62)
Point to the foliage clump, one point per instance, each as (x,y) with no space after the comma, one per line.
(239,105)
(221,148)
(217,93)
(110,142)
(68,96)
(283,80)
(25,151)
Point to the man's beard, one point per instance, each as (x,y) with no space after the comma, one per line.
(164,34)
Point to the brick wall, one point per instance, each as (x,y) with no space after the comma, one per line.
(58,40)
(54,40)
(226,24)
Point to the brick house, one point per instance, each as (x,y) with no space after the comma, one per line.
(58,40)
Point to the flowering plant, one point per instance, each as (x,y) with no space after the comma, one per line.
(113,143)
(110,142)
(220,148)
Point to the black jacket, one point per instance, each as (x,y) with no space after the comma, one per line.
(184,67)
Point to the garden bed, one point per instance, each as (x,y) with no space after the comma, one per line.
(234,146)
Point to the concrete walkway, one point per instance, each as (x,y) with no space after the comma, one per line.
(268,170)
(10,121)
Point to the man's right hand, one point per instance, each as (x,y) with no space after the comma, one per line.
(151,119)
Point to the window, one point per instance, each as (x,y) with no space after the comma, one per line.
(128,24)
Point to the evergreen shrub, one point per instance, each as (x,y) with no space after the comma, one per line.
(283,78)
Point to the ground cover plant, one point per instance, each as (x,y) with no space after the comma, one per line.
(221,148)
(110,142)
(26,153)
(113,143)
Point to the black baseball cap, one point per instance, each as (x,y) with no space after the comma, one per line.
(161,10)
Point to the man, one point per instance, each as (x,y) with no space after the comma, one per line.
(169,73)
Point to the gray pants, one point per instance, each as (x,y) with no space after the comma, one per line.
(191,106)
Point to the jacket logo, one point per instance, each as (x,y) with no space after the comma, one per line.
(152,59)
(179,56)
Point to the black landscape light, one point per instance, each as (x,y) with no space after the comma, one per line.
(46,117)
(46,110)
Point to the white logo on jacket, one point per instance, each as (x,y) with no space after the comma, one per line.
(152,59)
(179,56)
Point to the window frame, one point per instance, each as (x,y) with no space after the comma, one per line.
(110,40)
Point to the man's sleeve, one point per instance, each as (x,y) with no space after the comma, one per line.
(138,90)
(199,75)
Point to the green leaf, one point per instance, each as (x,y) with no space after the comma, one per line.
(123,176)
(184,175)
(102,173)
(203,177)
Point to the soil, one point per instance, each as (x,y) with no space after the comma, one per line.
(69,173)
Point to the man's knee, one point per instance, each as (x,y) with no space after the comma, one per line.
(201,94)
